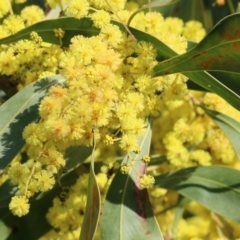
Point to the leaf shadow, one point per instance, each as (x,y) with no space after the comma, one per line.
(11,141)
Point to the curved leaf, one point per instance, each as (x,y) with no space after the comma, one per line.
(231,80)
(208,82)
(7,190)
(127,212)
(18,112)
(92,212)
(70,25)
(230,127)
(215,187)
(153,4)
(219,50)
(76,155)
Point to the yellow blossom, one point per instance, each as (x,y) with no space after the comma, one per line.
(45,180)
(146,159)
(59,32)
(193,30)
(32,14)
(33,135)
(109,140)
(101,180)
(111,34)
(52,158)
(4,8)
(153,21)
(6,62)
(129,143)
(100,18)
(78,9)
(13,23)
(49,105)
(173,24)
(201,157)
(19,206)
(125,168)
(146,181)
(18,173)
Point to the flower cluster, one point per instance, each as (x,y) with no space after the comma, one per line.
(110,88)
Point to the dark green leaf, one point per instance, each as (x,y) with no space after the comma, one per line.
(218,51)
(230,127)
(231,80)
(6,192)
(127,212)
(207,81)
(71,26)
(92,212)
(76,155)
(215,187)
(18,112)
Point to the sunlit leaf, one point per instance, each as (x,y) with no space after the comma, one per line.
(215,187)
(230,127)
(127,212)
(18,112)
(218,51)
(70,25)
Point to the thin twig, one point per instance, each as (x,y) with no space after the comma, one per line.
(30,177)
(124,25)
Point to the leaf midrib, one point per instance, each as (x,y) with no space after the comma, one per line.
(205,180)
(191,55)
(125,187)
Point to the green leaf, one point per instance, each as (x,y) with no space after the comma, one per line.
(230,127)
(4,230)
(231,80)
(6,192)
(92,212)
(18,112)
(215,187)
(218,51)
(70,25)
(208,82)
(158,3)
(76,155)
(127,212)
